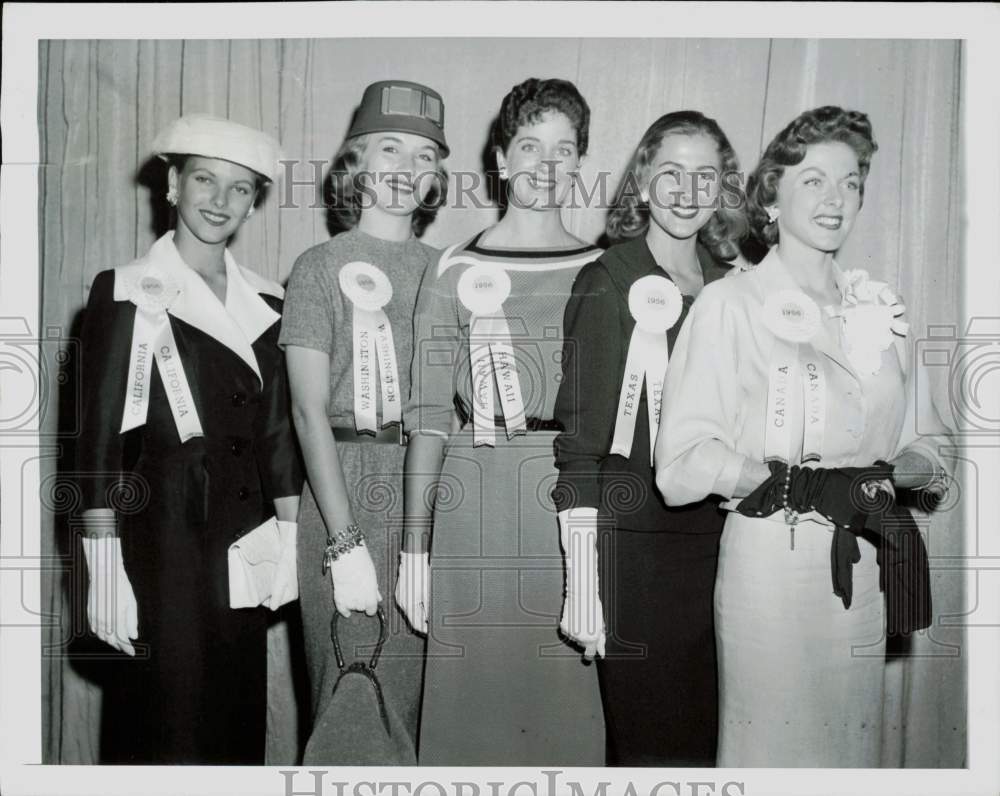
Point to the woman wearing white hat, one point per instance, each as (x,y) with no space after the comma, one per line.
(186,447)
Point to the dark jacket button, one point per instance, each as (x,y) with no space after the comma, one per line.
(244,493)
(239,399)
(236,448)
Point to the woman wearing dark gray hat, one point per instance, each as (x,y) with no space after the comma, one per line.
(347,333)
(187,448)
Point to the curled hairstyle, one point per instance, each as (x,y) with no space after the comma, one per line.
(788,148)
(346,196)
(629,216)
(528,101)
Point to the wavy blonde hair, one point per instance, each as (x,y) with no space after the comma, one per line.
(344,190)
(629,216)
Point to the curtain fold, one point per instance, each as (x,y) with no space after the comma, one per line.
(101,103)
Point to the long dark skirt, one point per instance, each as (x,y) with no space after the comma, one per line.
(196,691)
(658,681)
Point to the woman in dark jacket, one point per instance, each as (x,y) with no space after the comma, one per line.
(678,213)
(186,447)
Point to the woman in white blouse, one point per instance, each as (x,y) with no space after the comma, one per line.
(793,363)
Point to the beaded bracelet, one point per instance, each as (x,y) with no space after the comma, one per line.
(341,543)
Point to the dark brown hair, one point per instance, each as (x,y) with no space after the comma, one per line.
(788,148)
(528,101)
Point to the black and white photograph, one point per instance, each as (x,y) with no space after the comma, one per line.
(486,399)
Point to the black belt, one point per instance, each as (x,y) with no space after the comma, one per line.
(392,435)
(533,424)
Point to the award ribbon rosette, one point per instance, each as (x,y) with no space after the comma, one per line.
(153,339)
(483,289)
(369,290)
(871,315)
(655,304)
(796,385)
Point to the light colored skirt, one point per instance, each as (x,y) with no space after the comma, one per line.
(500,686)
(800,676)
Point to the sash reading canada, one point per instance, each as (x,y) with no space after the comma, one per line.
(796,384)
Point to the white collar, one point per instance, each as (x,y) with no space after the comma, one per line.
(237,324)
(778,271)
(774,275)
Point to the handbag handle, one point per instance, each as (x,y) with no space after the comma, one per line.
(360,667)
(383,634)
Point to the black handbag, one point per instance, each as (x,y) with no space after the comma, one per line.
(355,728)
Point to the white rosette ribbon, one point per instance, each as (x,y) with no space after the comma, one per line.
(483,289)
(796,385)
(153,293)
(369,290)
(871,314)
(655,304)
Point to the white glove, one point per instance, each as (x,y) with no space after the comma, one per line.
(286,581)
(355,586)
(413,589)
(111,608)
(582,615)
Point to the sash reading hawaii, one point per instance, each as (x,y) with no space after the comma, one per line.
(796,379)
(369,290)
(153,338)
(483,289)
(655,304)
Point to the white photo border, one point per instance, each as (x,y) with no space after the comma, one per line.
(20,561)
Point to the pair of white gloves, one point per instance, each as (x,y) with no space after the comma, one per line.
(112,611)
(355,585)
(582,616)
(113,614)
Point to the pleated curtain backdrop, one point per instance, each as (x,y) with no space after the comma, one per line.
(101,103)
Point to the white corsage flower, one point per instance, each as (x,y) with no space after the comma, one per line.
(153,292)
(871,315)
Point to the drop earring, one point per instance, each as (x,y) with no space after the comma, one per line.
(250,212)
(772,214)
(172,196)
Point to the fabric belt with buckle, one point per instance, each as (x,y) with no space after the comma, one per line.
(393,435)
